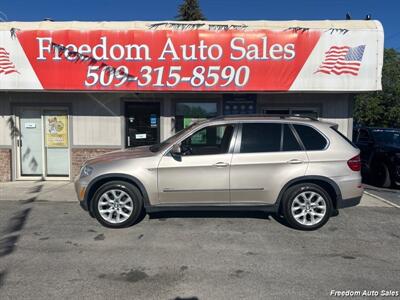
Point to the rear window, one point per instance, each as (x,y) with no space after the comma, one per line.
(344,137)
(311,138)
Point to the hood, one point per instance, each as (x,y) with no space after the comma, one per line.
(129,153)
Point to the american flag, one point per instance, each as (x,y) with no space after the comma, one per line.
(342,60)
(6,66)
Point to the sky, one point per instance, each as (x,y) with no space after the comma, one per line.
(386,11)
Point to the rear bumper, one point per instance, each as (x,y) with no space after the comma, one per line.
(343,203)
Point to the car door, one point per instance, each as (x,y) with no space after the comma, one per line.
(266,156)
(200,175)
(365,143)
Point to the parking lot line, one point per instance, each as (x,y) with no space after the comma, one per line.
(382,199)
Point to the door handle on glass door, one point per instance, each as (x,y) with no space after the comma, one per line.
(220,164)
(295,161)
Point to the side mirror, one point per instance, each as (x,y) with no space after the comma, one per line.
(176,150)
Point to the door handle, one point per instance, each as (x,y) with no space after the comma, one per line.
(295,161)
(221,164)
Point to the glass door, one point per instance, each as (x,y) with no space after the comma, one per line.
(43,143)
(56,143)
(142,123)
(30,142)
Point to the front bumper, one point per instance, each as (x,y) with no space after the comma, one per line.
(343,203)
(80,189)
(84,205)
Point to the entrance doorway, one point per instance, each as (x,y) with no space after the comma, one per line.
(43,144)
(142,123)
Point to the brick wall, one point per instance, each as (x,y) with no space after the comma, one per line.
(5,164)
(80,155)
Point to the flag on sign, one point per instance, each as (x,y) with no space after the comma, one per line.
(6,66)
(342,60)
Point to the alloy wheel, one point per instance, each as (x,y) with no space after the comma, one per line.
(115,206)
(308,208)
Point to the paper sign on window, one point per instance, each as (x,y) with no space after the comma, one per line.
(56,131)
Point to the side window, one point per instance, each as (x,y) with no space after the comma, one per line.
(363,136)
(289,142)
(311,138)
(208,141)
(261,137)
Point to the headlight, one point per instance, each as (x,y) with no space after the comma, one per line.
(86,171)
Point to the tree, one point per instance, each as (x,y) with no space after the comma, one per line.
(190,10)
(382,109)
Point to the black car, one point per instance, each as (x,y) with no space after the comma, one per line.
(380,155)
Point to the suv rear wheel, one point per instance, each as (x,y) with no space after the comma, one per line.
(306,206)
(117,204)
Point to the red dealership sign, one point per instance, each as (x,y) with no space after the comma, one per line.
(184,60)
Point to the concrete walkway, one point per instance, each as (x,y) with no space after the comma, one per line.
(40,190)
(64,191)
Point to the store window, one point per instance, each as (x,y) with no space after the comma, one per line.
(187,113)
(308,112)
(239,104)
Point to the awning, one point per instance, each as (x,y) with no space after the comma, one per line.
(169,56)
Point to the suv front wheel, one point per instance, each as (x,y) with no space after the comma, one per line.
(306,206)
(117,204)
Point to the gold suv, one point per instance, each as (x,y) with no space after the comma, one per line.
(299,168)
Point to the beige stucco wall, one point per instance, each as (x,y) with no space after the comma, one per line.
(96,119)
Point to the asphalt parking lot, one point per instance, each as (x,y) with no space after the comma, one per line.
(54,250)
(392,195)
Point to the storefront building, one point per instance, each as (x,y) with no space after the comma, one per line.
(73,90)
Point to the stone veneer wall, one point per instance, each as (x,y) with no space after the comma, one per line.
(80,155)
(5,164)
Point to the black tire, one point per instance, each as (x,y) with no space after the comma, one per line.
(291,194)
(381,175)
(130,190)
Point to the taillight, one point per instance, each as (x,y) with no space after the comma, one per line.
(355,163)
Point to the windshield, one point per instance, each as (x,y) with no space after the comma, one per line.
(172,139)
(387,137)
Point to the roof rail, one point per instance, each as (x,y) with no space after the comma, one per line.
(285,116)
(304,116)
